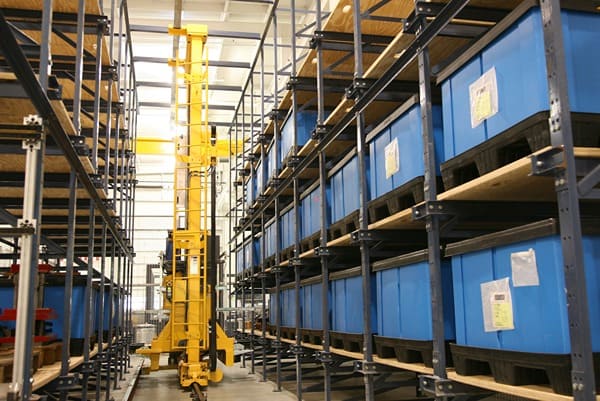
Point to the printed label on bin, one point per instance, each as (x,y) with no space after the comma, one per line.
(392,158)
(497,305)
(483,96)
(524,269)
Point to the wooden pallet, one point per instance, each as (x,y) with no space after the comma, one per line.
(518,368)
(347,341)
(515,143)
(403,197)
(312,336)
(344,226)
(407,351)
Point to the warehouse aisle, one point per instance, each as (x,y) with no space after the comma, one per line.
(237,385)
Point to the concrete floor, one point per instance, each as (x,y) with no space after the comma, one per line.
(237,385)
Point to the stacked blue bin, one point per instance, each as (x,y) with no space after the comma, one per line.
(7,301)
(401,135)
(250,187)
(310,204)
(306,122)
(311,293)
(270,244)
(344,187)
(248,256)
(347,309)
(288,227)
(107,311)
(273,165)
(517,55)
(54,298)
(404,322)
(516,279)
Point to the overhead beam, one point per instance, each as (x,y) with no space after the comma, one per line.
(215,33)
(150,84)
(214,63)
(167,105)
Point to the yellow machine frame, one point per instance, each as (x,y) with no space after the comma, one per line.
(195,154)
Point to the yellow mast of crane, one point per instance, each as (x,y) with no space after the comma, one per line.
(195,155)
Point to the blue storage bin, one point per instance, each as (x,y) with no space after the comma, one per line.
(250,187)
(539,311)
(239,260)
(54,299)
(288,305)
(404,298)
(347,302)
(344,187)
(251,253)
(311,294)
(522,86)
(288,228)
(7,301)
(273,165)
(311,210)
(106,315)
(270,245)
(406,130)
(306,123)
(261,182)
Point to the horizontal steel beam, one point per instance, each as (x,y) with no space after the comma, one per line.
(211,33)
(215,63)
(168,106)
(151,84)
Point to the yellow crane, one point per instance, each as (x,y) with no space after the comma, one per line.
(191,331)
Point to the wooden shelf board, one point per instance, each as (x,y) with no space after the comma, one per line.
(534,392)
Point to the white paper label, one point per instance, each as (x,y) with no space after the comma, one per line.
(194,265)
(497,305)
(483,97)
(524,269)
(392,158)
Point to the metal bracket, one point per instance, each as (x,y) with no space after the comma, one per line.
(68,382)
(274,183)
(430,208)
(293,161)
(103,26)
(276,345)
(33,120)
(439,387)
(108,203)
(277,269)
(372,235)
(324,357)
(358,87)
(88,367)
(81,148)
(297,350)
(276,114)
(27,224)
(323,251)
(365,367)
(297,262)
(291,83)
(319,132)
(548,162)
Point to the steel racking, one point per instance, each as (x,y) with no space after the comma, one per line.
(378,57)
(68,87)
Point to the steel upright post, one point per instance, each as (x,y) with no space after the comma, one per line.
(277,211)
(253,176)
(319,130)
(263,247)
(368,365)
(20,386)
(561,136)
(101,27)
(296,189)
(432,224)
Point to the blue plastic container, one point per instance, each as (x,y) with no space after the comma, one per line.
(288,306)
(288,228)
(270,245)
(312,313)
(311,210)
(107,310)
(405,130)
(54,299)
(347,302)
(251,253)
(273,165)
(404,298)
(344,187)
(517,54)
(250,187)
(539,311)
(261,182)
(239,260)
(7,301)
(306,123)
